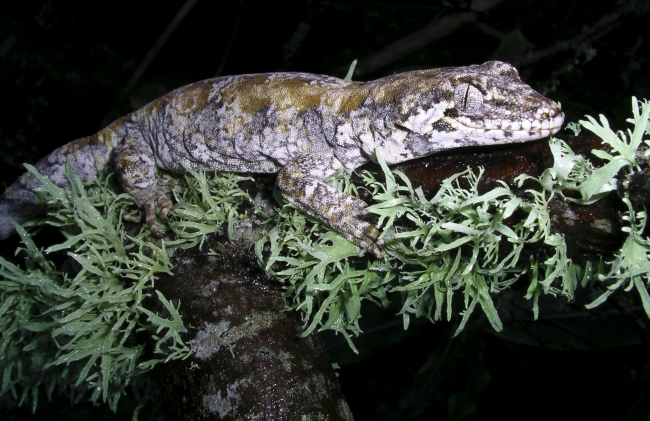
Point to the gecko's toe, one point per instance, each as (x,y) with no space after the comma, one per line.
(132,217)
(376,247)
(166,206)
(151,217)
(156,231)
(367,237)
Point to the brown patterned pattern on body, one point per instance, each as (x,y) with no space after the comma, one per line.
(304,127)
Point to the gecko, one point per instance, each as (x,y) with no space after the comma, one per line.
(304,127)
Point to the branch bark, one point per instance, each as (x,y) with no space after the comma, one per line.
(249,361)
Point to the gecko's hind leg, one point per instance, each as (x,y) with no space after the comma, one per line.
(136,170)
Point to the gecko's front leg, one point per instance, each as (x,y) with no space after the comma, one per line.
(300,182)
(136,169)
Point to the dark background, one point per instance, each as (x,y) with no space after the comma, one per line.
(67,69)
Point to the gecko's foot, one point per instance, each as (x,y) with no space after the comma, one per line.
(136,170)
(366,236)
(148,212)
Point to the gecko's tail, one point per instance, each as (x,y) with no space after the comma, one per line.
(87,156)
(15,210)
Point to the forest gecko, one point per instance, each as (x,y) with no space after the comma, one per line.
(302,126)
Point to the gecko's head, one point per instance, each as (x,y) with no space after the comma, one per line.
(485,104)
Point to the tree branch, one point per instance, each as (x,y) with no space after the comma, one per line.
(231,41)
(249,361)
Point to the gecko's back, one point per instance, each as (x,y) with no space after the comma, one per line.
(247,123)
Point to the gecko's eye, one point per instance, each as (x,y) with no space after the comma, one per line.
(468,99)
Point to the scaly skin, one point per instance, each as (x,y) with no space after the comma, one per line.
(303,127)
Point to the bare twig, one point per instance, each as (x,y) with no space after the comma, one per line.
(224,57)
(146,61)
(434,30)
(483,5)
(488,30)
(296,40)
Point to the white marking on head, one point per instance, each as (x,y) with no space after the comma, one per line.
(422,121)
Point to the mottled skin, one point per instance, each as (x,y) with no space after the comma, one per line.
(303,127)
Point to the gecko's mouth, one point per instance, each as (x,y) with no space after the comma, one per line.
(527,129)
